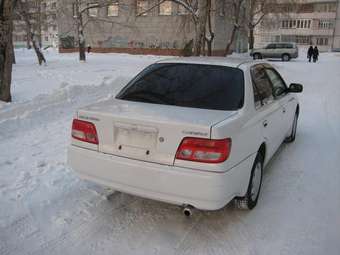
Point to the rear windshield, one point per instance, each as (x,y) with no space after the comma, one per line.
(188,85)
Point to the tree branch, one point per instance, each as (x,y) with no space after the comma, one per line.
(151,8)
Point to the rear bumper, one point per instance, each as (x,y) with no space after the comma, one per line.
(176,185)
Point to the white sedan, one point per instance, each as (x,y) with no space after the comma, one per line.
(195,132)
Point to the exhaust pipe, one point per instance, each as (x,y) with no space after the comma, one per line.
(188,210)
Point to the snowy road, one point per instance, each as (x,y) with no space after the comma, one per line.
(46,209)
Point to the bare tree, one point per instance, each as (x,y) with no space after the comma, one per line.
(209,37)
(200,28)
(258,9)
(200,12)
(237,15)
(81,9)
(33,32)
(6,58)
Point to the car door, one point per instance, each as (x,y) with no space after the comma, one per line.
(268,110)
(279,50)
(286,100)
(269,52)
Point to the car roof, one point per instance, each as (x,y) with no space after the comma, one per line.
(235,62)
(220,61)
(293,43)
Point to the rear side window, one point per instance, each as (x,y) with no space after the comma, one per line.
(263,88)
(188,85)
(271,46)
(285,46)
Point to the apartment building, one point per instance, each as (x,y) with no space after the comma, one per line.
(306,22)
(43,17)
(134,26)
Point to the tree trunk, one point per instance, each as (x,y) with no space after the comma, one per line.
(211,33)
(231,40)
(30,31)
(200,27)
(82,55)
(38,52)
(39,33)
(209,47)
(12,49)
(80,30)
(28,43)
(236,16)
(251,37)
(6,28)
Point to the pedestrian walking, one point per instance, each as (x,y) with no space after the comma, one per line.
(310,53)
(315,54)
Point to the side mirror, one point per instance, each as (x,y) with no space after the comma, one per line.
(295,88)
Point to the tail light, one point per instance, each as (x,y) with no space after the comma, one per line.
(204,150)
(84,131)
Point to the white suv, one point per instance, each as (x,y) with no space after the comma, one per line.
(193,132)
(285,51)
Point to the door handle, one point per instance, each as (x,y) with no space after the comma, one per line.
(265,123)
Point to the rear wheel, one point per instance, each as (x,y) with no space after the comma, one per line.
(285,57)
(292,136)
(249,201)
(257,56)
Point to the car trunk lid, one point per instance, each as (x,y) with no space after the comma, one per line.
(148,132)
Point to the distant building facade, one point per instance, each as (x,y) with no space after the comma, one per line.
(308,22)
(125,26)
(44,21)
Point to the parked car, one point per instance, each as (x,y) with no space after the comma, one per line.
(195,132)
(285,51)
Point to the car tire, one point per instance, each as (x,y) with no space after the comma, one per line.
(285,57)
(257,56)
(291,137)
(249,201)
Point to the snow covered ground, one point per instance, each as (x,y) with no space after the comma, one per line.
(46,209)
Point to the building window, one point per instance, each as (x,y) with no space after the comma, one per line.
(46,38)
(325,24)
(142,7)
(284,24)
(290,24)
(165,8)
(322,41)
(54,5)
(305,8)
(325,7)
(332,7)
(93,9)
(112,10)
(303,39)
